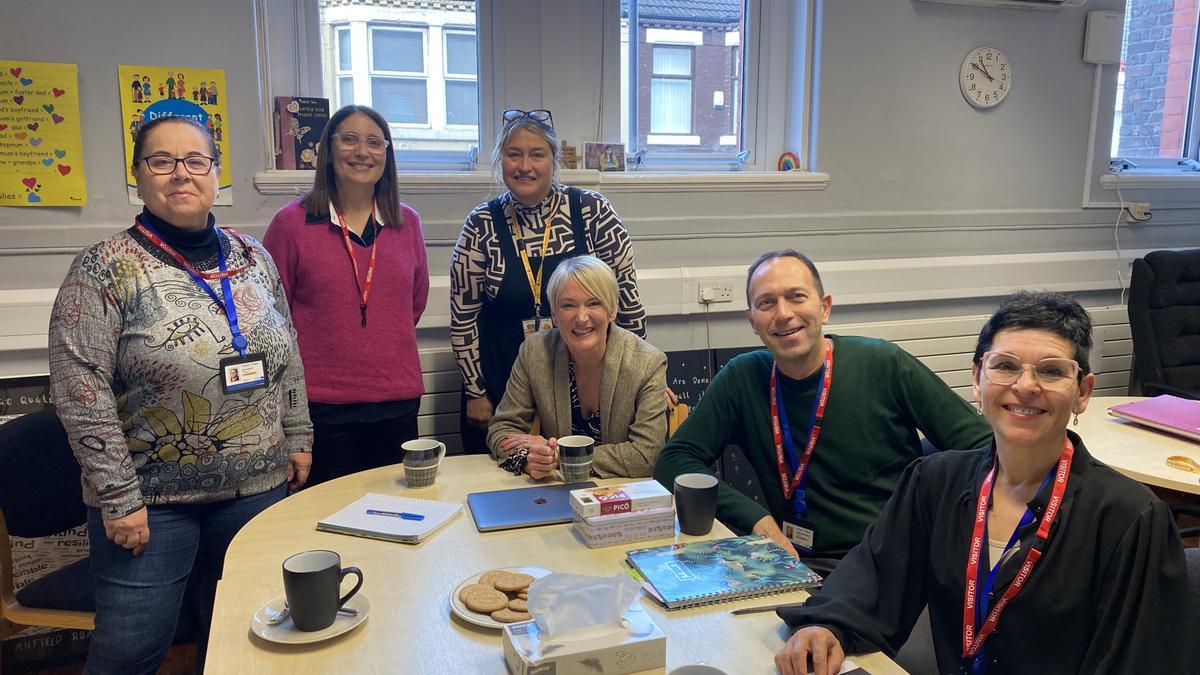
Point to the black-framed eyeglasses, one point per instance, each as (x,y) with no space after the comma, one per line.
(540,115)
(161,165)
(348,141)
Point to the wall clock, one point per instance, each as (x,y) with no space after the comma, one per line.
(985,78)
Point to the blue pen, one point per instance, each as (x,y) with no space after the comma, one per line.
(396,514)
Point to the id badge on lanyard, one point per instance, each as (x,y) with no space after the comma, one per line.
(247,371)
(535,324)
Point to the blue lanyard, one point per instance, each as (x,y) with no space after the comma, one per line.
(979,664)
(240,342)
(799,505)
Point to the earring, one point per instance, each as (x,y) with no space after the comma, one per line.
(978,406)
(1076,422)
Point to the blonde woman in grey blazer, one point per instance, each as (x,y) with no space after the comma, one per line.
(584,376)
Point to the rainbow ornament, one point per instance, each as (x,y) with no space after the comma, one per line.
(788,161)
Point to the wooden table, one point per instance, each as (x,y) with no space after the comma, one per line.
(1136,451)
(410,628)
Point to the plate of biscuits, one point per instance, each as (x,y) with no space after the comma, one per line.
(495,597)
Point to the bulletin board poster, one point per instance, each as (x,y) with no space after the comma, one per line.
(41,151)
(150,92)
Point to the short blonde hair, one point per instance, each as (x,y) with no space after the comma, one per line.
(591,273)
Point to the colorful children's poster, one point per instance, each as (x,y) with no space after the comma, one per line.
(150,92)
(41,153)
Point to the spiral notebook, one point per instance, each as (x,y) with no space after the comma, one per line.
(391,518)
(720,570)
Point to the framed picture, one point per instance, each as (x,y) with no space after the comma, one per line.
(604,156)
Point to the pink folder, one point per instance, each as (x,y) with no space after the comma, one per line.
(1167,413)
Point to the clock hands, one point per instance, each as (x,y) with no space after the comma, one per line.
(982,69)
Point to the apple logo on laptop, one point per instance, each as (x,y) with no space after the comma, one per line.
(540,500)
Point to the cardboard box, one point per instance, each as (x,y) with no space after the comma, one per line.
(640,496)
(622,528)
(640,646)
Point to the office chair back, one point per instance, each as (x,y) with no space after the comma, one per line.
(1164,319)
(40,495)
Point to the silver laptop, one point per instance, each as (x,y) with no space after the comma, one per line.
(523,507)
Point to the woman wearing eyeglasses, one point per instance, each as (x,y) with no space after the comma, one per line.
(1033,557)
(352,258)
(174,370)
(508,248)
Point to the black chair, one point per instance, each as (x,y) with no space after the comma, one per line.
(1164,319)
(40,495)
(1192,556)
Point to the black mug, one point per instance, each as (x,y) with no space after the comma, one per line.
(312,581)
(696,502)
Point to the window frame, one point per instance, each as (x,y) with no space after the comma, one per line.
(339,74)
(689,78)
(448,77)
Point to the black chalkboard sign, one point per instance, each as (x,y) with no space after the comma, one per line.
(688,375)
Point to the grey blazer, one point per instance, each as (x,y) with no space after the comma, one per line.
(633,417)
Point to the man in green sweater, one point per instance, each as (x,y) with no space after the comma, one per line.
(824,482)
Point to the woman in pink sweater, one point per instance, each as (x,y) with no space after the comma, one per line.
(352,260)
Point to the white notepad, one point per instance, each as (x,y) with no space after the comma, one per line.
(354,519)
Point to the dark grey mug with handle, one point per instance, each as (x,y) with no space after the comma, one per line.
(312,581)
(696,502)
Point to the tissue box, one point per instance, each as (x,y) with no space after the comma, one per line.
(640,646)
(600,501)
(622,528)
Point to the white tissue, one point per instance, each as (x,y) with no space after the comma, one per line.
(569,607)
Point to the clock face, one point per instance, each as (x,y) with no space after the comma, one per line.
(985,78)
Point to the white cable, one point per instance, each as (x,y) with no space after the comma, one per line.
(1117,237)
(708,348)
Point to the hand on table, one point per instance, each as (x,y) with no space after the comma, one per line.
(131,531)
(480,411)
(542,459)
(298,466)
(767,527)
(816,642)
(517,441)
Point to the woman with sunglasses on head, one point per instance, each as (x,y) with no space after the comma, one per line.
(508,246)
(1032,556)
(352,259)
(174,370)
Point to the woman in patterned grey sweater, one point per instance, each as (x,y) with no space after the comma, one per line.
(512,243)
(184,406)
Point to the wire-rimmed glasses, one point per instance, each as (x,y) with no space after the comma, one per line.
(161,165)
(1005,369)
(349,141)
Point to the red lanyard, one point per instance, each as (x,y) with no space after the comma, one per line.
(177,257)
(364,288)
(972,641)
(814,427)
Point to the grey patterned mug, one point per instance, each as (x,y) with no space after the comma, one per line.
(422,457)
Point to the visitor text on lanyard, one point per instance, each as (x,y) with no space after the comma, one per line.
(785,451)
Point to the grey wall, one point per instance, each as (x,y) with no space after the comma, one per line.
(914,171)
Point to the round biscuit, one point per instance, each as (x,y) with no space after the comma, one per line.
(518,605)
(484,600)
(524,595)
(509,616)
(512,582)
(488,577)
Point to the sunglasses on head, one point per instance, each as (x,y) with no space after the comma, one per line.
(540,115)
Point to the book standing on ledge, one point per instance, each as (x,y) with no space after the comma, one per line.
(299,121)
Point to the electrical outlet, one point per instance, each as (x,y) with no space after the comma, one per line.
(715,291)
(1137,212)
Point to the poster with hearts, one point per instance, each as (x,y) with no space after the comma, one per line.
(41,150)
(199,94)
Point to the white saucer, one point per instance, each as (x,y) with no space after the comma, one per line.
(286,633)
(460,609)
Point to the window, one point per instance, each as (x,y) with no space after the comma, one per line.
(345,68)
(415,62)
(462,90)
(398,82)
(671,91)
(682,79)
(1154,124)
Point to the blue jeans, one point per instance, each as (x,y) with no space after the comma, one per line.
(138,599)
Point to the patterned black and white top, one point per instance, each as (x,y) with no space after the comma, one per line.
(477,266)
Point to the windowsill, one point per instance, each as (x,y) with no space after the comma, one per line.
(297,182)
(1131,180)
